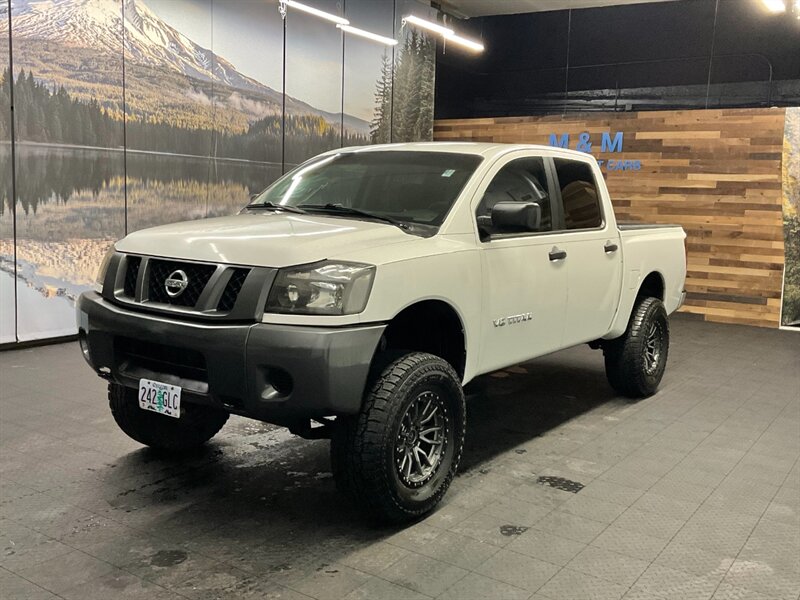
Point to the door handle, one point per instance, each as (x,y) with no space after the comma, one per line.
(610,247)
(556,254)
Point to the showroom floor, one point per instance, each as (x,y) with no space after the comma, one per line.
(565,491)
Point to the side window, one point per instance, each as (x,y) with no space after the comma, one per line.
(523,180)
(579,194)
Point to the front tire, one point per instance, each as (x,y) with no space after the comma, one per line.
(397,457)
(196,425)
(635,361)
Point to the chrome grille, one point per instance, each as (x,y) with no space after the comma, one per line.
(198,276)
(202,291)
(232,289)
(131,274)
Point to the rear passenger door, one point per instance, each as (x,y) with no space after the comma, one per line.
(594,254)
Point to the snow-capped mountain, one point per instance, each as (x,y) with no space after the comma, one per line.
(149,41)
(76,22)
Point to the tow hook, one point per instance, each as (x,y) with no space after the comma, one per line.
(313,429)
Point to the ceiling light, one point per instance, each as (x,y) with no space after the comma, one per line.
(775,6)
(462,41)
(448,34)
(429,25)
(312,11)
(368,34)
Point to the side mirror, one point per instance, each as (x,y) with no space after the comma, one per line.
(516,216)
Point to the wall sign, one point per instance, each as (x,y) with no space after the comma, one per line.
(609,143)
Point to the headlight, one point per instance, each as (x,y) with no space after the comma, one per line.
(325,288)
(101,272)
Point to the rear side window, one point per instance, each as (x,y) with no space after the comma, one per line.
(579,195)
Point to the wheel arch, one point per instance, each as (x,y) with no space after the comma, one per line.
(431,325)
(652,285)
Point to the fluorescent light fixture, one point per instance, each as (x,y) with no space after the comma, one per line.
(450,35)
(315,11)
(368,34)
(462,41)
(429,25)
(775,6)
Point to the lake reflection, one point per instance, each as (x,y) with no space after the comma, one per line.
(71,205)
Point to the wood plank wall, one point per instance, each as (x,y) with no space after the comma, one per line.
(715,172)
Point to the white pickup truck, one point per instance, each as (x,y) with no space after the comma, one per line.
(355,296)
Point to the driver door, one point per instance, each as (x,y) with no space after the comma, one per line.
(525,287)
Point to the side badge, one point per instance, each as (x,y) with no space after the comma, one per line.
(512,319)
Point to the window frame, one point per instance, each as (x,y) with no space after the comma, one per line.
(547,163)
(560,204)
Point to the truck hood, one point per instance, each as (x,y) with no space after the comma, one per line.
(264,239)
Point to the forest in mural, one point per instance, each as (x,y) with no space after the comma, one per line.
(404,94)
(198,125)
(790,315)
(7,287)
(54,116)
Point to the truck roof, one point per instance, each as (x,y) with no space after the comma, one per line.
(485,149)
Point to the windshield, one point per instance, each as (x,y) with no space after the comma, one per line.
(406,187)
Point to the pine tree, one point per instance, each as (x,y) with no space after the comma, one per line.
(426,88)
(5,106)
(380,128)
(411,99)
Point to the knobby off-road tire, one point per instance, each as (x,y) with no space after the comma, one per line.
(416,401)
(635,361)
(197,423)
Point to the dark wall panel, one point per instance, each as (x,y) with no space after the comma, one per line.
(653,31)
(544,34)
(744,27)
(659,55)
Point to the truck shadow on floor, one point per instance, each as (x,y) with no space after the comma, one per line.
(261,500)
(512,407)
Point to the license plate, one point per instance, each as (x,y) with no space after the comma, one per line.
(163,398)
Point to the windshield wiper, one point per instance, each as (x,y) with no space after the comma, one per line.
(349,210)
(273,206)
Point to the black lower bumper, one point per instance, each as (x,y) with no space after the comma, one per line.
(275,373)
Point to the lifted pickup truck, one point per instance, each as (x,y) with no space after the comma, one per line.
(355,296)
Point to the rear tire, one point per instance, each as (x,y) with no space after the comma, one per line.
(397,457)
(197,423)
(635,361)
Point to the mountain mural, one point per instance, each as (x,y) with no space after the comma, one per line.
(76,44)
(202,130)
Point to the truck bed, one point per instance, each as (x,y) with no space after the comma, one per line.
(637,226)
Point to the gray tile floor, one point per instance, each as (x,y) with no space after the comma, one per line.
(694,493)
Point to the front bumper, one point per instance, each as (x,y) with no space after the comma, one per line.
(275,373)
